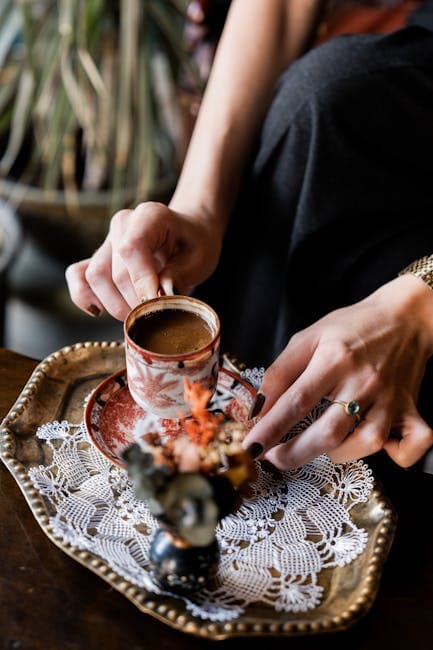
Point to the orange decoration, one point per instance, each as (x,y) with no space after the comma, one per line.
(203,426)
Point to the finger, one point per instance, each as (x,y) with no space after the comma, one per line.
(325,434)
(122,281)
(160,260)
(166,282)
(368,438)
(416,440)
(319,379)
(121,276)
(119,271)
(142,271)
(145,235)
(284,371)
(99,277)
(80,291)
(179,271)
(176,270)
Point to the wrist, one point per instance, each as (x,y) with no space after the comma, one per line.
(411,299)
(420,273)
(208,212)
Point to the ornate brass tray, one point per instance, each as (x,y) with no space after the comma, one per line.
(56,391)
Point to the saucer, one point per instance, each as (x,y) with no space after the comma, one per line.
(111,416)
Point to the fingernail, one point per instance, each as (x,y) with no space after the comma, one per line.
(268,466)
(255,449)
(257,406)
(94,310)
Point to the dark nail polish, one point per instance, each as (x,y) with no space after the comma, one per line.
(255,449)
(257,406)
(94,310)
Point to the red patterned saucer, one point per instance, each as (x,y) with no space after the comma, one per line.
(111,415)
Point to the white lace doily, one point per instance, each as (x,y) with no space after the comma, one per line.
(272,550)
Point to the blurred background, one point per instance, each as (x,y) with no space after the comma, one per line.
(97,102)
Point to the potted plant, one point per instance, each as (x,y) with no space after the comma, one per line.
(90,118)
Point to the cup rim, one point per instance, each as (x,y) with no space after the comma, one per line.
(187,356)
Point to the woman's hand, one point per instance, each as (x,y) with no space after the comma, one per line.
(373,352)
(150,247)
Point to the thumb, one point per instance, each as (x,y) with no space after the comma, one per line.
(166,283)
(415,439)
(171,280)
(186,271)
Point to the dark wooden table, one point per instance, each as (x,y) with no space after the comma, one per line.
(50,602)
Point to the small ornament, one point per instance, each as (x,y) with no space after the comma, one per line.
(353,407)
(190,482)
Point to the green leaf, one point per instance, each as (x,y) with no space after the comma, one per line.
(71,65)
(8,89)
(9,33)
(20,120)
(52,146)
(146,158)
(5,7)
(171,30)
(129,32)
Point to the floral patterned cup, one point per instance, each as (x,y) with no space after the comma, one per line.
(156,381)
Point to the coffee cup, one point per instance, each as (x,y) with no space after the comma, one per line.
(167,340)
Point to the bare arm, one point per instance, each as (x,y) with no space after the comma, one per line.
(260,39)
(158,245)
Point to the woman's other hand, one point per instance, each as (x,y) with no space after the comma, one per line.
(373,352)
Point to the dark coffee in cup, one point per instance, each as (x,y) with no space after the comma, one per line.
(169,339)
(171,331)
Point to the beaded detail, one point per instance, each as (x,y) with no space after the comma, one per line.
(422,268)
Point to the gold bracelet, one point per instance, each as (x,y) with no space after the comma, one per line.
(422,268)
